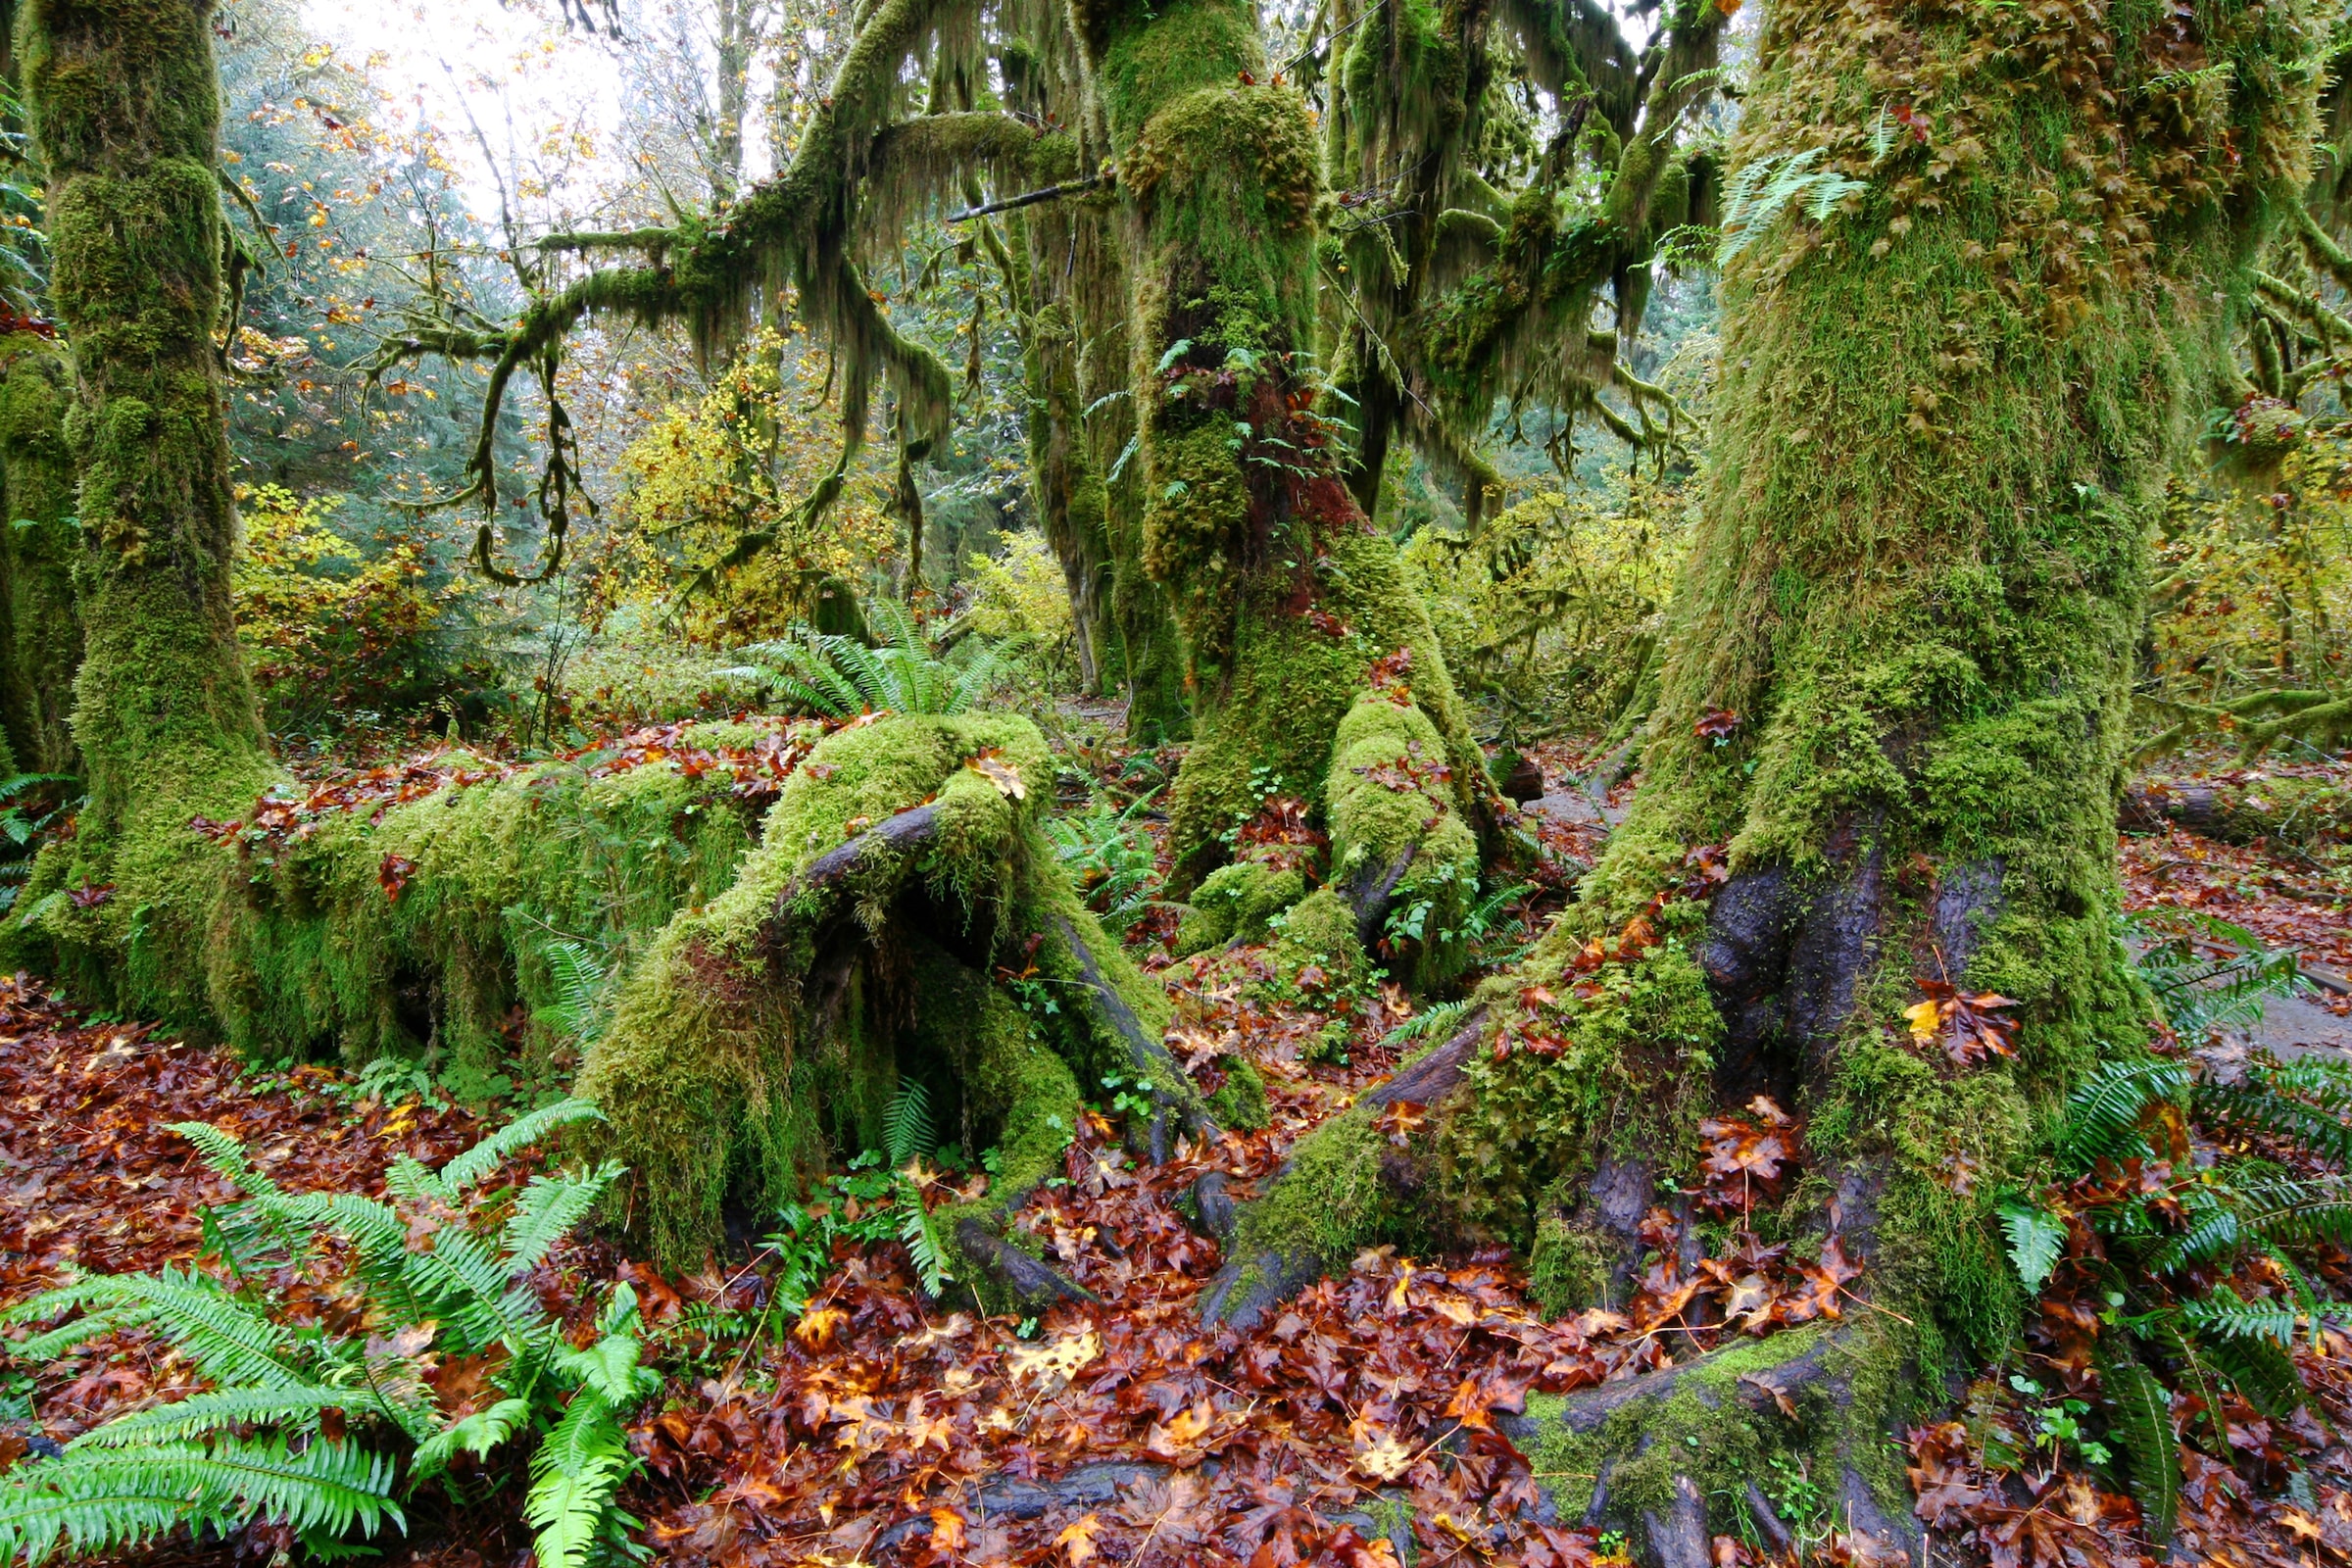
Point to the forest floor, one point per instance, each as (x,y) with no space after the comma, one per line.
(1363,1426)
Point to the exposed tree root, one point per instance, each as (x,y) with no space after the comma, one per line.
(1674,1457)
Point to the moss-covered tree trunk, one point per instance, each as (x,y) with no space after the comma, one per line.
(125,110)
(1314,666)
(40,641)
(1884,765)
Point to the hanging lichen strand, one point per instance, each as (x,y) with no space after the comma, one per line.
(124,113)
(1870,872)
(1463,293)
(858,172)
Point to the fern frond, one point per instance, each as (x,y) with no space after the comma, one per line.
(1429,1022)
(574,1474)
(2103,1115)
(101,1500)
(2261,1371)
(224,1152)
(548,1210)
(477,1433)
(411,1179)
(221,1409)
(227,1341)
(2225,1314)
(2258,1106)
(2142,1417)
(579,978)
(2036,1242)
(610,1369)
(469,1169)
(921,1236)
(906,1124)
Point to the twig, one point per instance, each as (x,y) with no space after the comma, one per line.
(1031,198)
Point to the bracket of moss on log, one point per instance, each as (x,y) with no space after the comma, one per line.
(902,921)
(1337,1191)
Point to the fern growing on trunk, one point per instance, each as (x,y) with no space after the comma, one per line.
(327,1433)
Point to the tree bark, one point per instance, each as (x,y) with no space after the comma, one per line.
(1287,598)
(42,646)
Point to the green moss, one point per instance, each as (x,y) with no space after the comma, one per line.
(1239,1102)
(1567,1267)
(1331,1201)
(1316,951)
(763,1034)
(1632,1076)
(40,620)
(1391,795)
(1234,904)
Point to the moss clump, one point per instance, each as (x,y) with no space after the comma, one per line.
(1330,1200)
(1390,802)
(1240,1102)
(1235,903)
(1316,951)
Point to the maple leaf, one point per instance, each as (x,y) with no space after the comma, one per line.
(1385,1459)
(1078,1539)
(394,873)
(1716,725)
(1003,775)
(1178,1440)
(1058,1359)
(819,1325)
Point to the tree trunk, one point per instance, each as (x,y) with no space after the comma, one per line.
(125,108)
(42,646)
(1070,283)
(1314,665)
(1890,727)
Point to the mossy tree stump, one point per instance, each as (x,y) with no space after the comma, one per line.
(901,919)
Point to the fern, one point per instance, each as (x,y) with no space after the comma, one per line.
(839,677)
(2104,1113)
(547,1212)
(1759,194)
(2035,1241)
(188,1464)
(579,977)
(573,1477)
(102,1500)
(2141,1414)
(1428,1023)
(469,1168)
(921,1236)
(906,1124)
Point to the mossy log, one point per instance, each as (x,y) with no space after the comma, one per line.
(902,921)
(2283,809)
(1892,716)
